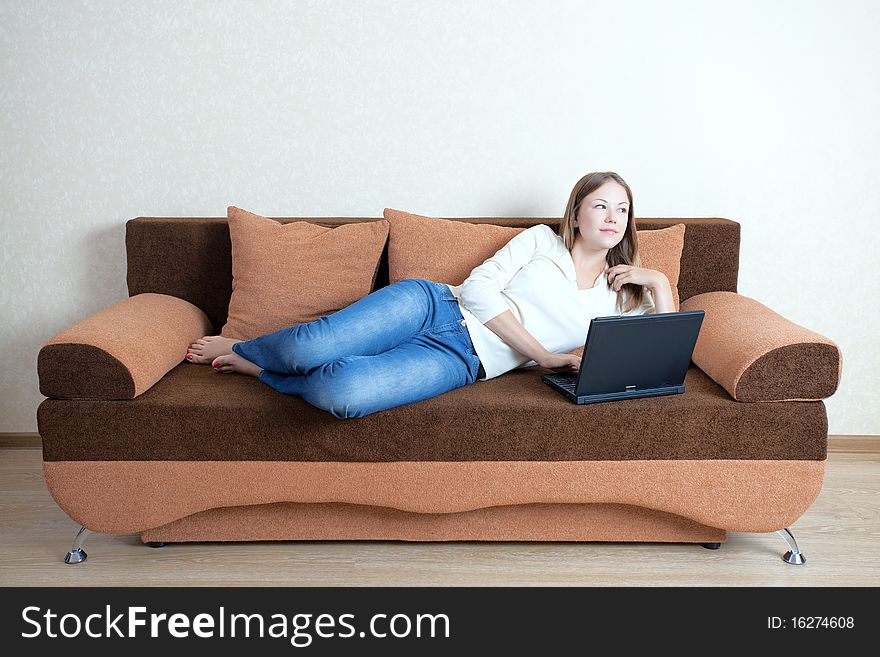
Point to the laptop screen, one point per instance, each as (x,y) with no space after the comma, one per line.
(638,352)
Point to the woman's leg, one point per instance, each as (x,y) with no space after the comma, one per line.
(376,323)
(353,386)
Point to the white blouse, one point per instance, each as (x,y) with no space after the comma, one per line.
(534,277)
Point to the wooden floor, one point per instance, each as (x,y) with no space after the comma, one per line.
(838,535)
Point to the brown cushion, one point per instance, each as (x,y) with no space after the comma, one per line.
(759,356)
(121,351)
(209,416)
(285,274)
(440,250)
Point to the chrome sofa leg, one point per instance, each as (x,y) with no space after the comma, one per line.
(77,554)
(793,556)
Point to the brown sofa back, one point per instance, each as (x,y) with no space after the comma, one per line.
(191,257)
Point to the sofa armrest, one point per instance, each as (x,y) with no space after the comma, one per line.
(759,356)
(121,351)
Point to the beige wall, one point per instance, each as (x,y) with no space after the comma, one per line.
(761,112)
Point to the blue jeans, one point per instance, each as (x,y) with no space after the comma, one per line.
(400,344)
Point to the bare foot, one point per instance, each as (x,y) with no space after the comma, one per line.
(235,363)
(207,348)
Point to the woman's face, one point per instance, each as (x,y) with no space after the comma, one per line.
(602,216)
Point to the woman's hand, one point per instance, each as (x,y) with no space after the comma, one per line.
(656,281)
(620,275)
(561,362)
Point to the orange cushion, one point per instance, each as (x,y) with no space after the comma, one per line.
(661,250)
(447,251)
(121,351)
(286,274)
(757,355)
(440,250)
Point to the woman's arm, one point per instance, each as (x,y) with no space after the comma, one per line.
(482,290)
(662,292)
(654,280)
(508,328)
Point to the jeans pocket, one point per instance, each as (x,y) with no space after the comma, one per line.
(450,329)
(445,292)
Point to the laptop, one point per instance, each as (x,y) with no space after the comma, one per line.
(626,357)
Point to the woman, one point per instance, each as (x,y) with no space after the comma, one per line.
(527,305)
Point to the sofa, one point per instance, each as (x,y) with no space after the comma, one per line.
(138,440)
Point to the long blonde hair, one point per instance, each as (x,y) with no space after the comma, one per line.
(626,252)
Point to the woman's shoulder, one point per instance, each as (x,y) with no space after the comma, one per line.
(539,239)
(543,229)
(551,241)
(543,234)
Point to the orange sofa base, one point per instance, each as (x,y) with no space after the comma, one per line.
(288,521)
(122,497)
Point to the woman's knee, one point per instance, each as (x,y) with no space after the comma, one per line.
(340,388)
(307,346)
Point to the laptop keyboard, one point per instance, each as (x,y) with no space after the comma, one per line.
(567,381)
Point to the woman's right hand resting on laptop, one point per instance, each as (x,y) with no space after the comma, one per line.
(561,362)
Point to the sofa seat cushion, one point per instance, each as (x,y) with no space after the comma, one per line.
(194,413)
